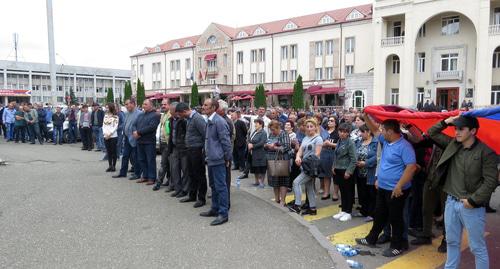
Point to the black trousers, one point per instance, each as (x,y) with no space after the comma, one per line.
(228,184)
(239,157)
(20,133)
(346,187)
(43,130)
(363,195)
(416,201)
(389,209)
(196,169)
(111,145)
(86,136)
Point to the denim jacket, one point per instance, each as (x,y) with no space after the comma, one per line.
(371,160)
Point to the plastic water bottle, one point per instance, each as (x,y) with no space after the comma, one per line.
(349,252)
(342,247)
(238,182)
(354,264)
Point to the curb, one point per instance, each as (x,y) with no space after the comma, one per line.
(338,261)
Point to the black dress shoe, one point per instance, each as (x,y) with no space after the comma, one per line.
(219,220)
(133,178)
(181,194)
(209,213)
(118,176)
(187,200)
(174,194)
(110,169)
(420,240)
(156,187)
(198,204)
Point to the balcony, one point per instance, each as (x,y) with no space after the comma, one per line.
(494,29)
(448,75)
(393,41)
(212,71)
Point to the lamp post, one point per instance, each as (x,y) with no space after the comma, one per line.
(52,55)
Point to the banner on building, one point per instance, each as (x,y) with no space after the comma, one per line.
(9,92)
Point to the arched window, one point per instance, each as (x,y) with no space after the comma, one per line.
(176,45)
(354,15)
(259,31)
(290,26)
(242,34)
(326,20)
(188,44)
(358,99)
(211,40)
(157,49)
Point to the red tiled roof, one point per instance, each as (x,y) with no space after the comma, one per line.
(274,27)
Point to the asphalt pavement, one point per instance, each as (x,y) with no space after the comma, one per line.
(59,209)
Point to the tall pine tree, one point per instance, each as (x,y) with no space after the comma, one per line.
(141,93)
(127,91)
(298,94)
(195,99)
(110,98)
(72,96)
(260,96)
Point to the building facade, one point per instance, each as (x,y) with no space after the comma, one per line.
(30,82)
(400,52)
(323,48)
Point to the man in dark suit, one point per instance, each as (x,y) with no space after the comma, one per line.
(222,111)
(240,141)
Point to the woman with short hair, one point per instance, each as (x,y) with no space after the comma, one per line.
(109,130)
(278,145)
(256,144)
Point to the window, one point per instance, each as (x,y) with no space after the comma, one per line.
(253,78)
(224,59)
(450,25)
(262,77)
(178,65)
(420,95)
(449,62)
(326,19)
(349,45)
(329,47)
(225,79)
(242,34)
(496,58)
(240,79)
(396,28)
(172,83)
(172,66)
(293,75)
(349,69)
(253,56)
(284,52)
(188,82)
(495,95)
(259,31)
(212,81)
(178,82)
(421,32)
(239,57)
(421,62)
(496,16)
(358,99)
(188,64)
(290,26)
(395,65)
(176,46)
(188,44)
(319,73)
(141,70)
(199,62)
(354,15)
(212,65)
(262,55)
(293,51)
(394,96)
(284,76)
(319,48)
(329,73)
(211,40)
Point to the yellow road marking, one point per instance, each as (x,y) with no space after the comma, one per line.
(424,256)
(291,197)
(348,236)
(323,212)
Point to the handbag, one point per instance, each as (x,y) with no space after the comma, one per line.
(278,167)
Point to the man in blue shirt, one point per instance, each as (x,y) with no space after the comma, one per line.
(396,169)
(8,120)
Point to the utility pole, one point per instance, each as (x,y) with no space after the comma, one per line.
(52,55)
(16,39)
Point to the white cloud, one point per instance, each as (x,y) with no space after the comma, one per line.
(105,33)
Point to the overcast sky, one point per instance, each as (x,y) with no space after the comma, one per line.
(104,33)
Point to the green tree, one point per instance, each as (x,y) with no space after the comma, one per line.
(127,91)
(141,93)
(110,98)
(260,96)
(72,95)
(298,94)
(195,99)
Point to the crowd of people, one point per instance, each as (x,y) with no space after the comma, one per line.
(402,179)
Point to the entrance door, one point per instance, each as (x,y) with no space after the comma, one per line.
(447,98)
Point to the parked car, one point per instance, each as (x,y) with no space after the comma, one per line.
(50,129)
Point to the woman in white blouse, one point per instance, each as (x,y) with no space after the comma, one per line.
(109,127)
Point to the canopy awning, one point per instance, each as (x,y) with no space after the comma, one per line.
(159,96)
(210,57)
(281,92)
(249,92)
(318,89)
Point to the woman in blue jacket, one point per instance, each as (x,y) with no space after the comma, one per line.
(366,154)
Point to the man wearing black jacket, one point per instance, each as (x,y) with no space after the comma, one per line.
(240,141)
(146,142)
(178,156)
(96,119)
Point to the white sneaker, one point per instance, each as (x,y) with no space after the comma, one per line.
(346,217)
(339,215)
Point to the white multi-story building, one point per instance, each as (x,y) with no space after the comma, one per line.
(323,48)
(394,52)
(30,82)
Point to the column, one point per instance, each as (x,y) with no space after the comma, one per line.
(5,78)
(407,91)
(95,88)
(30,83)
(484,71)
(114,89)
(74,87)
(379,60)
